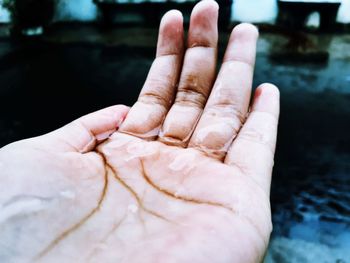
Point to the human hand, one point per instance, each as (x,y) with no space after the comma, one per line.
(186,177)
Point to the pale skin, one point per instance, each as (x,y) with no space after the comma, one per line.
(183,176)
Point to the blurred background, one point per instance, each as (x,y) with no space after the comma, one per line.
(60,59)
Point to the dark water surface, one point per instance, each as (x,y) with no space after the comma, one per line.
(45,85)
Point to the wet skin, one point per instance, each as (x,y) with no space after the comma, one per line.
(184,176)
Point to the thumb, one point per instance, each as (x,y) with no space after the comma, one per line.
(83,134)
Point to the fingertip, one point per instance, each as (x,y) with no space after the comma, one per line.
(268,89)
(267,99)
(206,4)
(171,23)
(171,34)
(121,110)
(82,134)
(106,119)
(242,44)
(204,24)
(121,107)
(206,9)
(172,16)
(245,30)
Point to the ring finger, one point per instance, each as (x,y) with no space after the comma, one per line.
(228,104)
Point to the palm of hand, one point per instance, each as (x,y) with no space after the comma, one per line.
(137,201)
(181,181)
(181,205)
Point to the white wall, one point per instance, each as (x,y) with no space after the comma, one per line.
(81,10)
(344,12)
(266,11)
(254,10)
(4,15)
(243,10)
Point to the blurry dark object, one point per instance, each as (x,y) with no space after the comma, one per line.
(30,16)
(153,11)
(297,48)
(293,14)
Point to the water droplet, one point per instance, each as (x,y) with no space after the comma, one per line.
(180,191)
(102,246)
(117,143)
(104,136)
(213,232)
(137,150)
(194,44)
(217,92)
(183,163)
(207,132)
(68,194)
(22,206)
(133,208)
(150,134)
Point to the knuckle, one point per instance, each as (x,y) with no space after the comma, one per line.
(256,136)
(192,92)
(227,108)
(190,98)
(252,135)
(152,97)
(159,83)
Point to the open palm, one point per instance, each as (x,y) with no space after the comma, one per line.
(185,178)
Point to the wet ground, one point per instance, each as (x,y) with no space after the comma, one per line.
(78,69)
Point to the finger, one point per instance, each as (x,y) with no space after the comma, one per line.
(228,103)
(197,75)
(253,150)
(157,95)
(83,134)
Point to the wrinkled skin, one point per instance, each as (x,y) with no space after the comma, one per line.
(178,178)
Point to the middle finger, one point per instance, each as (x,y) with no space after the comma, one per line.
(197,75)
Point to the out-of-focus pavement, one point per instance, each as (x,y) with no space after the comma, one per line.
(77,69)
